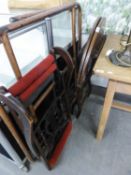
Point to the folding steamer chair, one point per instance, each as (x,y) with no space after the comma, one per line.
(37,106)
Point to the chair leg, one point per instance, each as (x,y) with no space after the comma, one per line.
(106,109)
(89,87)
(82,93)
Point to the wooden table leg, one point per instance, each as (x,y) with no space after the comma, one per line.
(106,108)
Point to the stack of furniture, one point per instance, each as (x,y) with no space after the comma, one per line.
(37,109)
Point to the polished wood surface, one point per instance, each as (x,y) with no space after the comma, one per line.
(105,68)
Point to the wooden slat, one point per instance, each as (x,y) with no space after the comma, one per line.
(43,96)
(79,28)
(34,117)
(123,88)
(74,32)
(121,106)
(11,55)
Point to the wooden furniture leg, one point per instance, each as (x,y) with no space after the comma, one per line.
(106,108)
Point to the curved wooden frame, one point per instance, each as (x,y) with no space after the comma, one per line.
(97,34)
(68,60)
(87,47)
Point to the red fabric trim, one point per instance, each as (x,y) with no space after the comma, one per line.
(60,145)
(33,87)
(31,76)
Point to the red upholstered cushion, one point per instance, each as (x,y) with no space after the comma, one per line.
(31,76)
(33,87)
(60,145)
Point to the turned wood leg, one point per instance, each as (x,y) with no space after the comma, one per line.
(106,109)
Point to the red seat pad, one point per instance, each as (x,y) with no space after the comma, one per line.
(33,87)
(31,76)
(60,145)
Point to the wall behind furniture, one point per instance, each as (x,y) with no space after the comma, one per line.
(117,12)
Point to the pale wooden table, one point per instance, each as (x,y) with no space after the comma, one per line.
(119,81)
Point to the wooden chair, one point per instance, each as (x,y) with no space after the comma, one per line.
(90,56)
(74,79)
